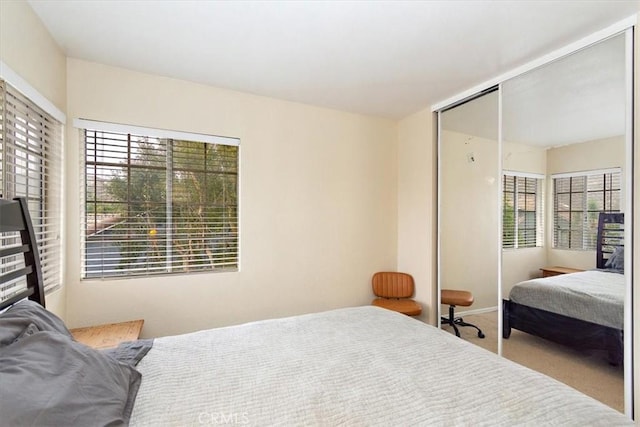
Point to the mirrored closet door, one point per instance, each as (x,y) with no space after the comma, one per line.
(564,161)
(468,217)
(525,170)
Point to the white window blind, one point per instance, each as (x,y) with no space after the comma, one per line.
(578,200)
(157,205)
(522,211)
(31,167)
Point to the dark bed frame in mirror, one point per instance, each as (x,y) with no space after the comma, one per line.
(569,331)
(20,271)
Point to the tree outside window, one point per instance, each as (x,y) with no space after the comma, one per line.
(577,203)
(157,206)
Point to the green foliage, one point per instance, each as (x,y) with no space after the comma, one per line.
(508,226)
(198,226)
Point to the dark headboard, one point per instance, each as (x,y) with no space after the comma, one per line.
(20,271)
(610,236)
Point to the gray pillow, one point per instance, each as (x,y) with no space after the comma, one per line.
(22,314)
(616,260)
(48,379)
(130,352)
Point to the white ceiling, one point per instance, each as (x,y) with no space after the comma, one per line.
(383,58)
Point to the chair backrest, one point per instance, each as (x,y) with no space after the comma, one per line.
(391,284)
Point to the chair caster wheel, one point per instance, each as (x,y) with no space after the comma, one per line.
(480,334)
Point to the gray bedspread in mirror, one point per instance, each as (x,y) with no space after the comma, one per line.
(593,296)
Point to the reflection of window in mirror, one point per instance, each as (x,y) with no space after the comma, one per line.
(578,200)
(522,211)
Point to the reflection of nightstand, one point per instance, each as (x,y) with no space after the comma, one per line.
(109,335)
(555,271)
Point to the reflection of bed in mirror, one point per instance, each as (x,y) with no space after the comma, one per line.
(584,310)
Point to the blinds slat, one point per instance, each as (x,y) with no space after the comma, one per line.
(31,151)
(157,205)
(522,210)
(578,199)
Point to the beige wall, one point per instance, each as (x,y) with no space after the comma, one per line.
(588,155)
(518,157)
(519,265)
(417,208)
(469,222)
(318,204)
(28,49)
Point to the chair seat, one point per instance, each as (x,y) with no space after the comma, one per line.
(453,297)
(404,306)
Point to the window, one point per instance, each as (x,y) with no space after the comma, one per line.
(522,211)
(157,205)
(30,167)
(578,200)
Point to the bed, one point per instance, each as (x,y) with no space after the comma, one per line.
(349,366)
(584,310)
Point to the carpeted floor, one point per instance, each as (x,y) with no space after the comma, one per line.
(589,373)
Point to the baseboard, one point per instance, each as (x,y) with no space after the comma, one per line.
(476,311)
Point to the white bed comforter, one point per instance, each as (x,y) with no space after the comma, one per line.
(593,296)
(355,366)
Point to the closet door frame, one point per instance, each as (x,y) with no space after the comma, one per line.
(625,26)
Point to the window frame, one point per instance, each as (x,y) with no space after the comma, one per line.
(31,141)
(172,168)
(585,230)
(538,212)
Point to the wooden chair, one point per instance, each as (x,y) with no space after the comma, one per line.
(394,291)
(452,298)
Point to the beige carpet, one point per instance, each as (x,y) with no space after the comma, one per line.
(589,373)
